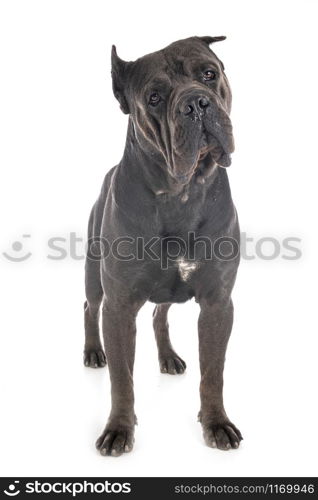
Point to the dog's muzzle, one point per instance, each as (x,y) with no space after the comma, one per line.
(202,131)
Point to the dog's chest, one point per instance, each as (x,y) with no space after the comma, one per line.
(186,268)
(174,282)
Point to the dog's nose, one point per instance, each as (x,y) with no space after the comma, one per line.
(203,102)
(195,107)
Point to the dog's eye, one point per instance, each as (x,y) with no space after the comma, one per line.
(154,99)
(209,75)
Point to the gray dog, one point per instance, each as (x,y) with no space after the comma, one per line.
(165,229)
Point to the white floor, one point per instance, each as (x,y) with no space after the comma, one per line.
(53,408)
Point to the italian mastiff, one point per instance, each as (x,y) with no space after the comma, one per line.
(165,229)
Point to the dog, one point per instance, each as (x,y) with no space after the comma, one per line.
(171,184)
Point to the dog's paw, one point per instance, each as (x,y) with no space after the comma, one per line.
(223,436)
(172,364)
(115,441)
(94,358)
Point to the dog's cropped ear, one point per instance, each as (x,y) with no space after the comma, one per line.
(119,74)
(211,39)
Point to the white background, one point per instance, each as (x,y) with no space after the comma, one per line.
(61,130)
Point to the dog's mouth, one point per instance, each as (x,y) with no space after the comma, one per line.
(202,144)
(211,151)
(210,154)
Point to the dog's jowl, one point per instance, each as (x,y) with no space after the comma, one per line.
(163,229)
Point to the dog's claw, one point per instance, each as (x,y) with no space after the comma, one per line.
(115,442)
(223,436)
(172,364)
(94,358)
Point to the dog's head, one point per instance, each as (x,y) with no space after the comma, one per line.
(179,100)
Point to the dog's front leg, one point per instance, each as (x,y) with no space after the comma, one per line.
(215,324)
(119,331)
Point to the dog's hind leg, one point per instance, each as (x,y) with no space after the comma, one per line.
(94,355)
(169,361)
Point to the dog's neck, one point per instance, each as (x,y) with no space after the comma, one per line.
(149,196)
(143,163)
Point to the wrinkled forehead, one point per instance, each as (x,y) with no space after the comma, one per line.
(175,63)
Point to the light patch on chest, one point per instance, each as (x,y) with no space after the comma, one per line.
(186,268)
